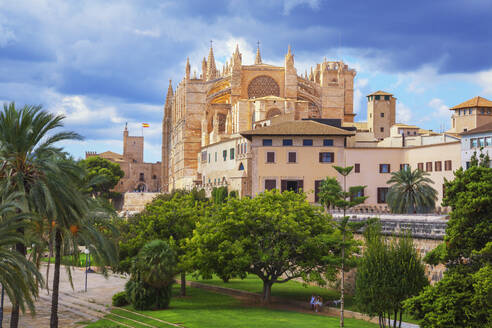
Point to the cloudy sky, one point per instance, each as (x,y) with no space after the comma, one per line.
(104,63)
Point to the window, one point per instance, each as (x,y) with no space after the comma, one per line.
(270,184)
(216,156)
(471,111)
(467,165)
(384,168)
(231,153)
(224,155)
(382,114)
(420,166)
(382,193)
(381,129)
(292,157)
(317,189)
(241,167)
(377,97)
(142,178)
(267,142)
(327,142)
(204,156)
(428,166)
(473,143)
(447,165)
(270,157)
(404,167)
(293,185)
(245,148)
(488,141)
(326,157)
(209,158)
(438,166)
(154,177)
(360,193)
(481,142)
(287,142)
(307,142)
(357,168)
(386,97)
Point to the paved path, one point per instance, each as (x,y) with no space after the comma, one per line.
(75,305)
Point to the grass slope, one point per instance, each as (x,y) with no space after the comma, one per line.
(203,309)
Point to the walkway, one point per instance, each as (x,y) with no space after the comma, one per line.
(75,305)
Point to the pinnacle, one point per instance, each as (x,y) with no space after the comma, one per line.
(258,56)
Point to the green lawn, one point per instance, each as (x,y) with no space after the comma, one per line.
(203,309)
(289,290)
(68,260)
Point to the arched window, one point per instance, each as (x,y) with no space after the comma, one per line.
(262,86)
(273,112)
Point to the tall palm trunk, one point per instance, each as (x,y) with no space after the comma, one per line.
(14,317)
(56,280)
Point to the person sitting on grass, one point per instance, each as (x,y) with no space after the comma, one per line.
(312,302)
(318,303)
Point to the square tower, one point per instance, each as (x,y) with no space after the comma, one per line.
(471,114)
(133,147)
(381,111)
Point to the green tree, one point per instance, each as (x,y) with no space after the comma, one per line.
(389,273)
(76,219)
(276,236)
(27,152)
(152,276)
(19,278)
(462,297)
(219,195)
(332,195)
(101,167)
(411,192)
(168,217)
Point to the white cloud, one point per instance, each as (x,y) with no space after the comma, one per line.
(441,110)
(484,79)
(153,33)
(6,35)
(78,113)
(403,113)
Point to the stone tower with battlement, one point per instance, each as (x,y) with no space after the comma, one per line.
(221,102)
(381,113)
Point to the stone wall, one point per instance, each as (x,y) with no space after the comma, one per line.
(135,201)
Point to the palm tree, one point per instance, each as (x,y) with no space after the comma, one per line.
(18,276)
(27,152)
(411,192)
(78,219)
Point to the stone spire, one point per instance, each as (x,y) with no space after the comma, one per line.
(258,56)
(204,68)
(237,58)
(169,94)
(289,59)
(188,68)
(211,69)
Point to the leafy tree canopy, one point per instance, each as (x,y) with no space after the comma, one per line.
(463,297)
(276,236)
(102,174)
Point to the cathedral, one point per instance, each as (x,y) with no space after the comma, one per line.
(221,103)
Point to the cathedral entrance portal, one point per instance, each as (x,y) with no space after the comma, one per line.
(141,187)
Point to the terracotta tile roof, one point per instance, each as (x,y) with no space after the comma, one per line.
(301,127)
(474,102)
(380,93)
(481,129)
(405,126)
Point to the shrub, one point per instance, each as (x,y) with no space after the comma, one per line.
(120,299)
(144,297)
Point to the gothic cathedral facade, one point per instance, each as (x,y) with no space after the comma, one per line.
(221,103)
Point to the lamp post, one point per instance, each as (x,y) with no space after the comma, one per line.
(87,255)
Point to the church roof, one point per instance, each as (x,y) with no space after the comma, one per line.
(380,93)
(297,128)
(481,129)
(474,102)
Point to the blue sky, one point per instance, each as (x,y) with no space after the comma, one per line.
(104,63)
